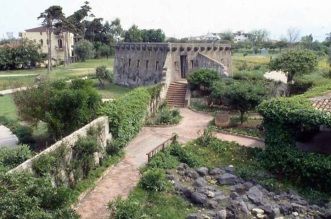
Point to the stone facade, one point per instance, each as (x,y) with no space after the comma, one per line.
(143,64)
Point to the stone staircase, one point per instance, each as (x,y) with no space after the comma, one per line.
(176,93)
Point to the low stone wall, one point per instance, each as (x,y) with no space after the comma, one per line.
(100,123)
(203,61)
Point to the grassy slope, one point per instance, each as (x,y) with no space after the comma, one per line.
(7,107)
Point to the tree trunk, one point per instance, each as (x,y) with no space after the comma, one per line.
(65,49)
(48,50)
(242,117)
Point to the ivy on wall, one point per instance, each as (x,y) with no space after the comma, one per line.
(283,118)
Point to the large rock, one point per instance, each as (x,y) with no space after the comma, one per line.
(221,214)
(203,171)
(192,174)
(198,198)
(216,171)
(227,179)
(222,119)
(200,182)
(255,195)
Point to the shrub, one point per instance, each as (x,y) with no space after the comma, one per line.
(163,160)
(202,78)
(125,209)
(113,148)
(300,86)
(170,116)
(127,115)
(184,156)
(13,156)
(84,49)
(153,180)
(23,133)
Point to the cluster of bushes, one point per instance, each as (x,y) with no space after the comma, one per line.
(165,116)
(283,118)
(13,156)
(22,54)
(65,107)
(23,133)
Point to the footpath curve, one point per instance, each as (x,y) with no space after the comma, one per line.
(123,177)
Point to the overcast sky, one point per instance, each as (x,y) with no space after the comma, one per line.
(184,18)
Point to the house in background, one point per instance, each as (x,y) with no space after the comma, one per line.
(39,35)
(240,36)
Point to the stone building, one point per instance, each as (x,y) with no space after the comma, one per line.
(144,64)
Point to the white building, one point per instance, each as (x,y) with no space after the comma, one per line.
(39,35)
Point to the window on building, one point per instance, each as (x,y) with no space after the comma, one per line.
(129,62)
(41,33)
(41,42)
(192,64)
(59,43)
(147,62)
(176,66)
(138,63)
(157,65)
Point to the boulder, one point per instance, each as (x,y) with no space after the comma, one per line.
(227,179)
(221,214)
(211,204)
(255,195)
(216,171)
(203,171)
(198,198)
(200,182)
(256,211)
(240,189)
(191,173)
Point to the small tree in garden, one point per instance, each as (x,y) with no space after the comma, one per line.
(84,50)
(203,78)
(294,62)
(242,96)
(103,73)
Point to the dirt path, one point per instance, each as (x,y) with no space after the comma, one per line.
(123,177)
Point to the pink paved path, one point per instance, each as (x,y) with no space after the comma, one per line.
(123,177)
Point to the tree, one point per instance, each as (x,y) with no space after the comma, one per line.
(103,73)
(202,78)
(293,62)
(133,34)
(293,35)
(152,35)
(281,44)
(307,41)
(239,95)
(65,107)
(50,16)
(257,37)
(84,50)
(227,35)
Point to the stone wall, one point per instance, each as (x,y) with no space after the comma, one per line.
(202,61)
(139,64)
(142,64)
(100,123)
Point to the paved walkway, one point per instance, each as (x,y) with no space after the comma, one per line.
(7,138)
(123,177)
(16,75)
(10,91)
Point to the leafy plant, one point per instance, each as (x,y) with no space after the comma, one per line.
(153,180)
(202,78)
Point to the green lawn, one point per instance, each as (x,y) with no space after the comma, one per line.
(74,70)
(111,91)
(7,107)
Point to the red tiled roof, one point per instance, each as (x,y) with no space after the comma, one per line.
(37,29)
(322,102)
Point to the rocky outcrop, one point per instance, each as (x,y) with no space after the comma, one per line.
(222,195)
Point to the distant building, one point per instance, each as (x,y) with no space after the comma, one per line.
(240,36)
(39,35)
(209,37)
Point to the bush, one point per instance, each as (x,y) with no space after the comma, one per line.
(13,156)
(125,209)
(127,115)
(170,116)
(113,148)
(184,156)
(84,49)
(163,160)
(153,180)
(202,78)
(300,86)
(23,133)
